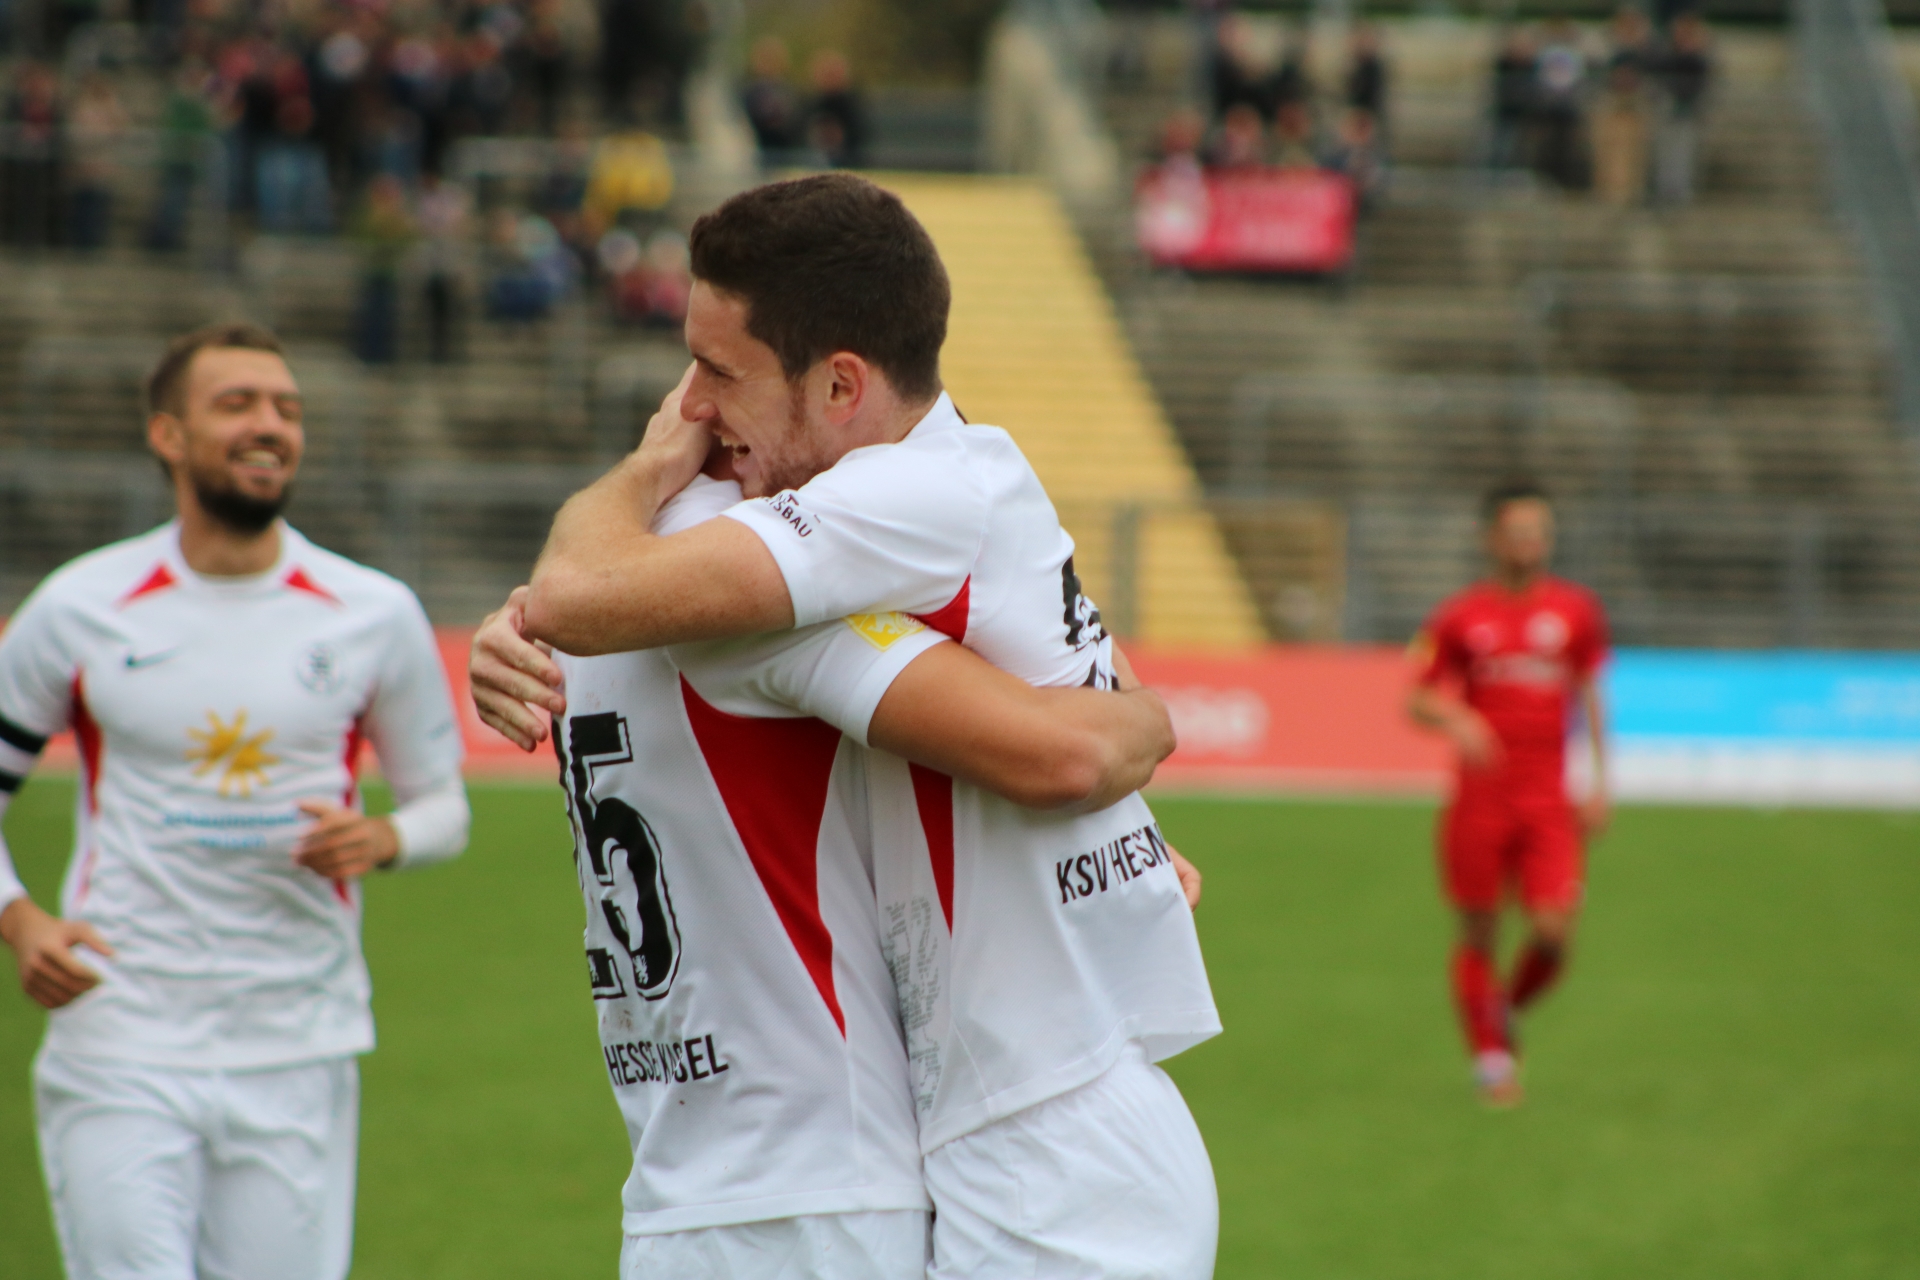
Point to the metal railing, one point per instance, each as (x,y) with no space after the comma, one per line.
(1289,551)
(1867,114)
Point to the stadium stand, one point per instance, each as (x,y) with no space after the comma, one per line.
(1705,386)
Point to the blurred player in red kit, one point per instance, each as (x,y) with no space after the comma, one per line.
(1501,668)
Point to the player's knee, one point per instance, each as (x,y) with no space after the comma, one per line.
(1553,931)
(1479,930)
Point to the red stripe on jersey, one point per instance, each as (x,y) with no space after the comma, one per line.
(933,796)
(86,877)
(356,738)
(159,580)
(950,619)
(299,581)
(86,735)
(773,777)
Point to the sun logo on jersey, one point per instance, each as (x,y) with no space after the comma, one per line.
(242,760)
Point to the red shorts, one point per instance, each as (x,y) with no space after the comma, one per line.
(1489,844)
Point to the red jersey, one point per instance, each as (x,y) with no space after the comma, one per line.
(1519,659)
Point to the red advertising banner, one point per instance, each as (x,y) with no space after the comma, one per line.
(1293,718)
(1282,220)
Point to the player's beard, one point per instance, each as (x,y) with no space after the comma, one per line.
(241,512)
(797,461)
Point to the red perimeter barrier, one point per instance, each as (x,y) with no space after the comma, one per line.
(1309,718)
(1283,718)
(1287,718)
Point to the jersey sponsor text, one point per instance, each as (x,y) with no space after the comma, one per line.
(631,1062)
(1113,864)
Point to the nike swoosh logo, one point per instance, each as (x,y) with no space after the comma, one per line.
(134,662)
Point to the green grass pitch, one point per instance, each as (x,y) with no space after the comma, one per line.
(1725,1087)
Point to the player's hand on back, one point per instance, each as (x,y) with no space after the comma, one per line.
(50,973)
(512,675)
(343,843)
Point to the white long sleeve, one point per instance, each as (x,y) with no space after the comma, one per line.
(432,825)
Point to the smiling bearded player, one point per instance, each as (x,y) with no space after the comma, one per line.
(1042,962)
(197,1094)
(1503,667)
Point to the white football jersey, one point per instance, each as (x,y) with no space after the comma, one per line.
(1028,949)
(746,1012)
(205,711)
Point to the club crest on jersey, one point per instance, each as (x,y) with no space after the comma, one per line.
(319,670)
(240,759)
(1547,632)
(617,847)
(1081,616)
(884,630)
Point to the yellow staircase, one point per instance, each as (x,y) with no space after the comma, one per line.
(1034,347)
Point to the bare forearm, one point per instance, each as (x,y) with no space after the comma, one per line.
(13,918)
(607,584)
(1075,749)
(1597,735)
(1431,709)
(600,532)
(1132,733)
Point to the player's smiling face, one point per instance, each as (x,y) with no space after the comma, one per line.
(741,391)
(238,436)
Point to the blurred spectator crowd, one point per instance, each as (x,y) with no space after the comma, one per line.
(1266,111)
(1620,116)
(826,125)
(350,116)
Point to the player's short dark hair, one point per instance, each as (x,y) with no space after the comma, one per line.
(167,384)
(1515,490)
(829,263)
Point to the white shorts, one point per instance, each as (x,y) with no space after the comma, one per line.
(886,1244)
(158,1174)
(1110,1181)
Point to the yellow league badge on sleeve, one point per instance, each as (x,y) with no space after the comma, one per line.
(883,630)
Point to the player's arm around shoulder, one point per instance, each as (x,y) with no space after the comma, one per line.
(607,583)
(1056,749)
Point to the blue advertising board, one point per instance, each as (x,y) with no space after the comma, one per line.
(1779,727)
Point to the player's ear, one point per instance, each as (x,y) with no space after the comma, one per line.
(845,380)
(167,437)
